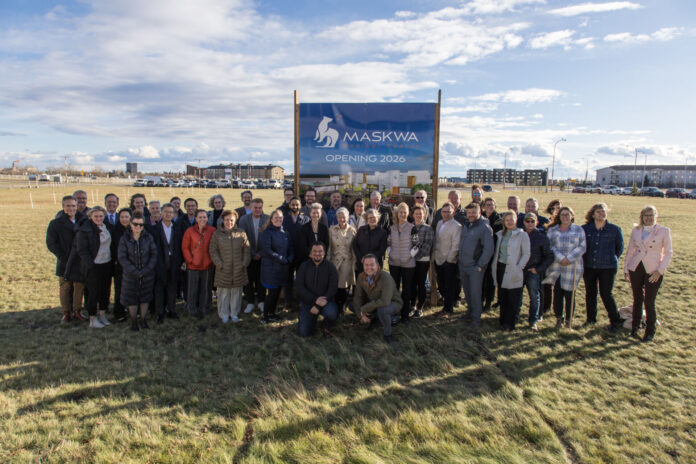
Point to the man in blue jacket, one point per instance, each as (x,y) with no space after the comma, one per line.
(316,284)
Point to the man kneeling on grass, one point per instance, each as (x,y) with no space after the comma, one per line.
(375,292)
(316,283)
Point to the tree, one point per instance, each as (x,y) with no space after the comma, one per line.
(646,181)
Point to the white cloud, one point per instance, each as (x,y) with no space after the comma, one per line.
(583,8)
(532,95)
(482,7)
(115,158)
(662,35)
(146,152)
(551,39)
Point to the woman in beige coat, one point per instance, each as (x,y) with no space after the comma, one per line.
(230,251)
(341,255)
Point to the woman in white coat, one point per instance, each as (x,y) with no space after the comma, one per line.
(511,255)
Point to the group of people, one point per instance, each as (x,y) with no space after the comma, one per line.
(319,256)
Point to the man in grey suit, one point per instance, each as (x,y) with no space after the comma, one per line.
(475,251)
(253,224)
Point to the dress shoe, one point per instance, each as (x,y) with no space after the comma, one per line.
(648,337)
(160,318)
(65,319)
(78,316)
(143,324)
(134,325)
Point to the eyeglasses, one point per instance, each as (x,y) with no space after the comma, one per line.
(476,194)
(529,220)
(419,198)
(137,224)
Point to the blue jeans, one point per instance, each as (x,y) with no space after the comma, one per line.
(533,284)
(308,321)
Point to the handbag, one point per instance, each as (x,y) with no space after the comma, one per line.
(184,265)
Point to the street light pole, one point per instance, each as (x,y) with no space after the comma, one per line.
(553,162)
(635,168)
(645,165)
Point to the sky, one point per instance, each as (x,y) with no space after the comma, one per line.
(166,83)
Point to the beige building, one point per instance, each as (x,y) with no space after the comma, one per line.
(241,171)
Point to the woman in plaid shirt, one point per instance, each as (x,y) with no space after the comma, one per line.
(568,246)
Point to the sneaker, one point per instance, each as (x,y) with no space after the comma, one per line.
(541,319)
(418,313)
(102,318)
(534,327)
(235,319)
(261,307)
(225,319)
(249,308)
(95,324)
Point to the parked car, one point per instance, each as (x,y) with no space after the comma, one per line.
(487,188)
(593,189)
(611,190)
(224,183)
(260,184)
(652,192)
(676,193)
(139,183)
(578,189)
(692,194)
(274,184)
(247,184)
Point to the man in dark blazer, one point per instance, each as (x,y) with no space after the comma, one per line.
(169,257)
(246,208)
(59,240)
(253,224)
(385,211)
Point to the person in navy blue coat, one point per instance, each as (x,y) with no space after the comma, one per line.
(169,258)
(293,220)
(540,258)
(276,254)
(604,246)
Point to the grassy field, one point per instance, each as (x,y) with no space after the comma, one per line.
(249,393)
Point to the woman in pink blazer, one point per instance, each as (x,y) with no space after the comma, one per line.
(649,253)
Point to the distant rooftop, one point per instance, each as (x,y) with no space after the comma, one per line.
(651,167)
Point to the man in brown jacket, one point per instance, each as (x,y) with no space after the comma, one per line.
(375,292)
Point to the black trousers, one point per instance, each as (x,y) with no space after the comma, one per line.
(271,301)
(403,276)
(419,292)
(559,297)
(604,278)
(165,294)
(254,291)
(447,282)
(98,281)
(340,299)
(644,292)
(510,301)
(119,310)
(488,291)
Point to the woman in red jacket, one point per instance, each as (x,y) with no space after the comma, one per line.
(199,265)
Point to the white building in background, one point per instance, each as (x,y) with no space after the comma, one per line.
(659,175)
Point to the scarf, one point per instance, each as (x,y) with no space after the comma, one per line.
(371,280)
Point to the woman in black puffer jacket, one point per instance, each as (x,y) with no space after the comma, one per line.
(137,255)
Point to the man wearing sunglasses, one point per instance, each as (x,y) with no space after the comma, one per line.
(477,194)
(540,258)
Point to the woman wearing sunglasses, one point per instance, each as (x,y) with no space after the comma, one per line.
(137,255)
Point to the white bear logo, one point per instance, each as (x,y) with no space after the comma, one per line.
(324,132)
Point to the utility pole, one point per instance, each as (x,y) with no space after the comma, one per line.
(635,167)
(505,168)
(587,168)
(553,162)
(645,164)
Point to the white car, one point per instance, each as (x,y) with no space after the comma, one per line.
(274,184)
(611,190)
(247,184)
(627,191)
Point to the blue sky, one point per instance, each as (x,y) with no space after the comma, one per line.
(164,83)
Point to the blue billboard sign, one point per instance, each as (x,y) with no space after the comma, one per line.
(386,145)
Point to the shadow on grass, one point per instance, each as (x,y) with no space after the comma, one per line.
(230,370)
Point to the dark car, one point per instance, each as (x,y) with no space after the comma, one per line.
(487,188)
(652,192)
(676,193)
(692,194)
(578,189)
